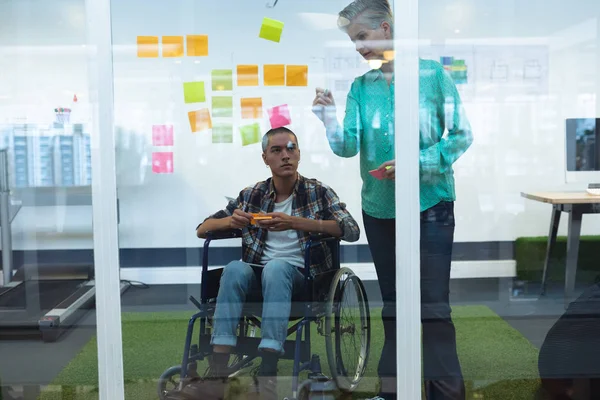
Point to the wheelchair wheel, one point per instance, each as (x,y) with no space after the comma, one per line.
(347,329)
(169,382)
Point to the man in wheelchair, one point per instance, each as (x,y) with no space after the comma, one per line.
(276,217)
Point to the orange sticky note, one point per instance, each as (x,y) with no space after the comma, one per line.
(251,107)
(197,45)
(297,75)
(259,217)
(147,46)
(172,46)
(247,75)
(200,120)
(274,74)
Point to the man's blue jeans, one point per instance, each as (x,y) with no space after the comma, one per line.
(280,280)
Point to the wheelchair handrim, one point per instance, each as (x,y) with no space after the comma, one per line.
(334,357)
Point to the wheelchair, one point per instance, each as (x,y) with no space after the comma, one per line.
(335,301)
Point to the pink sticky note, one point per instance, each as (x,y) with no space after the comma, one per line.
(377,173)
(162,135)
(162,162)
(279,116)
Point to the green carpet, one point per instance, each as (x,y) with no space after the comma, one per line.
(497,361)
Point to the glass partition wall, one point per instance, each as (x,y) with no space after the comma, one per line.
(48,329)
(202,225)
(526,74)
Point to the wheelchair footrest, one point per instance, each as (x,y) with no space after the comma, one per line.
(248,346)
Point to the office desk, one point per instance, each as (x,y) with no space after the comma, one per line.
(576,204)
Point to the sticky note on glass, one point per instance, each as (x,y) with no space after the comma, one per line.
(222,133)
(147,46)
(162,162)
(222,106)
(247,75)
(197,45)
(250,134)
(271,29)
(162,135)
(274,74)
(279,116)
(172,46)
(222,79)
(193,92)
(297,75)
(200,120)
(251,107)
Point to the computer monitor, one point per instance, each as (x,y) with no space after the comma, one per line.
(583,150)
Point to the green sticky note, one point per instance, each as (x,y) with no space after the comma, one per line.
(222,133)
(222,79)
(193,92)
(271,29)
(250,134)
(222,106)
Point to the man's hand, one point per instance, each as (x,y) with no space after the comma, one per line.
(280,222)
(239,219)
(390,169)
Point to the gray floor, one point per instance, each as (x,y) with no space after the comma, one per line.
(35,363)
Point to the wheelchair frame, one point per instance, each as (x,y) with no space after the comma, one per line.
(298,349)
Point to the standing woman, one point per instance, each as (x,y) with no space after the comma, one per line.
(368,128)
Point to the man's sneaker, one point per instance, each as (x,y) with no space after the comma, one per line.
(376,398)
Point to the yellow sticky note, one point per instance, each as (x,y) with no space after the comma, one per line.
(251,107)
(222,79)
(147,46)
(250,134)
(200,120)
(274,74)
(247,75)
(197,45)
(297,75)
(172,46)
(271,29)
(193,92)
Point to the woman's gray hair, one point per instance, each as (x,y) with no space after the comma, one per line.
(369,12)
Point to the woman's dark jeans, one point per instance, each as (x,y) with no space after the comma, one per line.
(442,372)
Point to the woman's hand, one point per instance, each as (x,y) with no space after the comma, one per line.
(389,168)
(324,105)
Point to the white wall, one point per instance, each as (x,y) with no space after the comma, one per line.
(519,133)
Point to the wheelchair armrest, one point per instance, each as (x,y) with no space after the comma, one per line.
(322,237)
(228,234)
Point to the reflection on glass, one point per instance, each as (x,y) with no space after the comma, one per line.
(47,292)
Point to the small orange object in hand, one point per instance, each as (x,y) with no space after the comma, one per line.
(258,217)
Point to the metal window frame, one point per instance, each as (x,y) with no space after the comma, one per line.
(408,279)
(104,204)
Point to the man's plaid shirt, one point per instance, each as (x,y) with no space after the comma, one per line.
(312,200)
